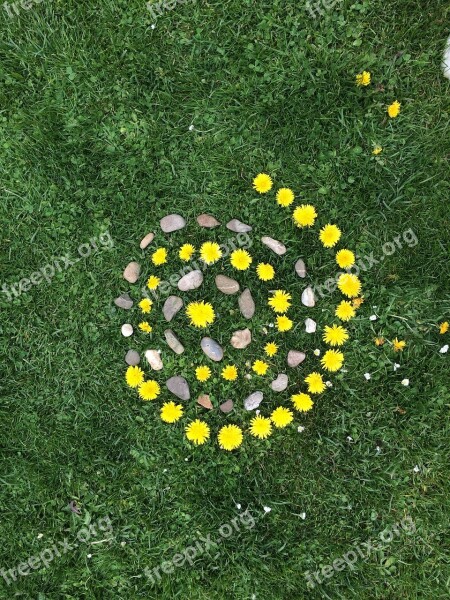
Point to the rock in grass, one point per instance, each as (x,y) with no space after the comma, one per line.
(127,330)
(280,383)
(148,239)
(173,342)
(172,223)
(227,406)
(171,306)
(205,401)
(246,304)
(308,298)
(207,221)
(227,285)
(295,358)
(241,338)
(132,272)
(154,359)
(310,325)
(132,358)
(190,281)
(212,349)
(179,387)
(124,301)
(274,245)
(300,268)
(238,227)
(253,401)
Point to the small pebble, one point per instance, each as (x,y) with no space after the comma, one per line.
(127,330)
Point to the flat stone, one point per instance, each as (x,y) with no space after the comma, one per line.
(310,325)
(179,387)
(171,306)
(308,298)
(212,349)
(148,239)
(127,330)
(241,338)
(238,227)
(227,406)
(300,268)
(154,359)
(124,301)
(132,358)
(207,221)
(274,245)
(253,401)
(246,304)
(171,223)
(226,284)
(132,272)
(205,401)
(295,358)
(173,342)
(190,281)
(280,383)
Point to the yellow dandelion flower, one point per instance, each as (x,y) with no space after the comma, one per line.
(285,196)
(201,314)
(240,259)
(302,402)
(345,258)
(356,302)
(281,417)
(394,109)
(197,432)
(230,437)
(210,252)
(171,412)
(443,327)
(335,335)
(398,345)
(377,150)
(134,376)
(316,384)
(345,311)
(284,323)
(330,235)
(262,183)
(271,348)
(265,271)
(203,373)
(186,252)
(332,360)
(159,257)
(349,284)
(280,301)
(149,390)
(230,373)
(363,79)
(153,282)
(260,427)
(379,341)
(304,215)
(145,327)
(260,367)
(145,305)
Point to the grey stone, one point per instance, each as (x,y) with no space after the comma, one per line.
(179,387)
(207,221)
(274,245)
(295,358)
(148,239)
(227,406)
(310,325)
(280,383)
(154,359)
(132,272)
(212,349)
(132,358)
(238,226)
(124,301)
(253,401)
(127,330)
(246,304)
(300,268)
(241,338)
(308,298)
(171,306)
(173,342)
(226,284)
(171,223)
(190,281)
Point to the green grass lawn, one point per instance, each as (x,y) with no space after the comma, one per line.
(96,113)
